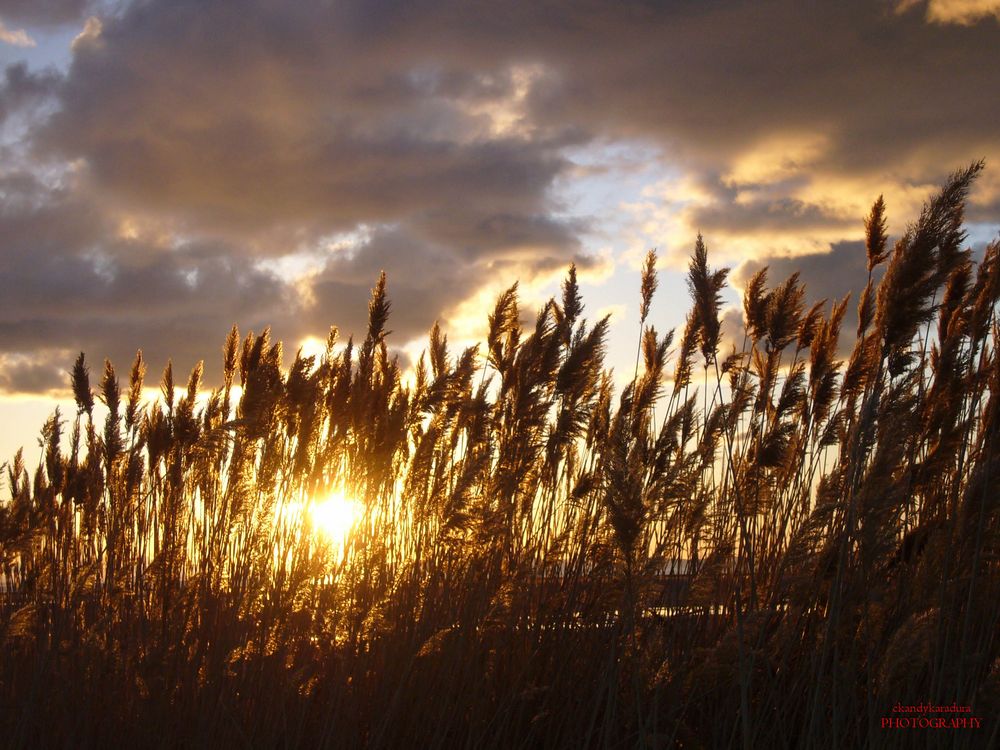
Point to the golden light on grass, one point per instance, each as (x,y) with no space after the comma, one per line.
(482,554)
(334,515)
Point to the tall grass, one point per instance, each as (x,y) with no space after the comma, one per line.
(763,547)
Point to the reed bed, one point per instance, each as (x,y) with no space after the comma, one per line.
(763,547)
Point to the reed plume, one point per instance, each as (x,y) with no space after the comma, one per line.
(530,556)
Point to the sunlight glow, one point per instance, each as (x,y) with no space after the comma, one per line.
(312,346)
(335,516)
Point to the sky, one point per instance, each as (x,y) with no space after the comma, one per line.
(171,167)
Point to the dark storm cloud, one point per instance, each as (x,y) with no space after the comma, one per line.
(250,132)
(21,89)
(43,12)
(71,285)
(377,78)
(782,214)
(257,112)
(34,375)
(239,117)
(713,79)
(68,287)
(241,131)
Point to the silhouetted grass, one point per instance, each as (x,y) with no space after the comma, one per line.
(761,548)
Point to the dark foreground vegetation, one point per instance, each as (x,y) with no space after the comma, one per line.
(767,547)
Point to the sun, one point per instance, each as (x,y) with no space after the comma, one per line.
(334,516)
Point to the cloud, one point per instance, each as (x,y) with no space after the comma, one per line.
(205,149)
(68,287)
(43,12)
(90,35)
(241,116)
(961,12)
(16,37)
(245,121)
(76,280)
(22,90)
(201,163)
(34,373)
